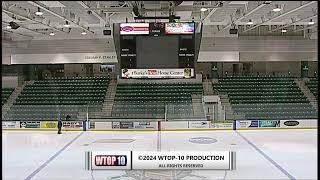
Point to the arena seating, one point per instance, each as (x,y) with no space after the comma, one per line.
(6,92)
(313,86)
(266,97)
(56,98)
(149,99)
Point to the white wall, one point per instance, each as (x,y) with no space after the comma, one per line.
(62,58)
(261,49)
(278,67)
(6,52)
(278,56)
(9,81)
(313,66)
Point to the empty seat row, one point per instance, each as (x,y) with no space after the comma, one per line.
(55,97)
(5,94)
(266,97)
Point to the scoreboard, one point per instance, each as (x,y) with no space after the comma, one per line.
(184,32)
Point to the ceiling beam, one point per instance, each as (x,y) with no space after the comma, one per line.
(93,12)
(281,27)
(177,8)
(109,16)
(27,18)
(244,16)
(58,15)
(281,15)
(209,15)
(27,28)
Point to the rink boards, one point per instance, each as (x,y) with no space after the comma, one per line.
(161,125)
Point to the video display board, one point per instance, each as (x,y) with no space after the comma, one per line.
(179,28)
(134,28)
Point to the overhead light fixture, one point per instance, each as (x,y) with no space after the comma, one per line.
(284,30)
(203,9)
(276,9)
(8,27)
(52,34)
(84,33)
(250,22)
(67,24)
(311,22)
(39,13)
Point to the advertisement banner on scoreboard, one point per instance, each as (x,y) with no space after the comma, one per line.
(10,124)
(134,28)
(72,125)
(158,73)
(49,124)
(29,124)
(180,28)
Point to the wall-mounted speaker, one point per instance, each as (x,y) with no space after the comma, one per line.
(14,25)
(233,31)
(106,32)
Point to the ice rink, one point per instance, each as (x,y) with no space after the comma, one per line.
(261,154)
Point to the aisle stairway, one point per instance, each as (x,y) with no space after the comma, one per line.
(306,91)
(105,111)
(312,84)
(12,98)
(109,100)
(197,106)
(5,94)
(207,87)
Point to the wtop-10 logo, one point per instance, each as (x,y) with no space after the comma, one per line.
(110,160)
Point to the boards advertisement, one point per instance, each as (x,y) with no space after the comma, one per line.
(291,123)
(198,124)
(29,124)
(72,125)
(269,123)
(222,125)
(145,125)
(122,125)
(49,124)
(134,125)
(247,124)
(10,124)
(299,123)
(257,124)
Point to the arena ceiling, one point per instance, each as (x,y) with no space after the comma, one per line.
(298,18)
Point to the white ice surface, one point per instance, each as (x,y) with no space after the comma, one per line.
(294,150)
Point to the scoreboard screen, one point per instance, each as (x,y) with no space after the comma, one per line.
(180,28)
(157,29)
(134,28)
